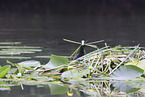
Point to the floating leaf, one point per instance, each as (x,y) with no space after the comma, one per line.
(4,70)
(75,74)
(127,72)
(141,64)
(30,64)
(56,61)
(14,57)
(19,47)
(135,62)
(9,43)
(18,51)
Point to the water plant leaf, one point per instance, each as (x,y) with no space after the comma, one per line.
(26,47)
(12,70)
(9,43)
(135,62)
(127,72)
(30,64)
(56,61)
(14,57)
(18,51)
(4,70)
(141,64)
(58,89)
(20,70)
(75,74)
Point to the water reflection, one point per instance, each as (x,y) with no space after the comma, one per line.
(95,88)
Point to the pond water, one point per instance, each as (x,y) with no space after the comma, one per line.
(118,23)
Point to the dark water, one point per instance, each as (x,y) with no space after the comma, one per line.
(46,23)
(31,91)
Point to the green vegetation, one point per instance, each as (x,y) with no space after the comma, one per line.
(105,71)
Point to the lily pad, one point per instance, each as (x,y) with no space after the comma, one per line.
(140,64)
(56,61)
(14,57)
(30,64)
(75,74)
(20,47)
(18,51)
(135,62)
(9,43)
(4,70)
(127,72)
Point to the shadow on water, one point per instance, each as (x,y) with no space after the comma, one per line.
(46,23)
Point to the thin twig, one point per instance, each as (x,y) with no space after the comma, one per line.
(125,59)
(97,60)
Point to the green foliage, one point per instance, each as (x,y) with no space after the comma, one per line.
(20,69)
(75,74)
(89,73)
(56,61)
(141,64)
(127,72)
(31,64)
(4,70)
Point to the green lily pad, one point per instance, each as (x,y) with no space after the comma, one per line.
(9,43)
(30,64)
(14,57)
(4,70)
(56,61)
(127,72)
(135,62)
(75,74)
(26,47)
(18,51)
(140,64)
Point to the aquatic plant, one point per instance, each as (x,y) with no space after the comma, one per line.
(94,73)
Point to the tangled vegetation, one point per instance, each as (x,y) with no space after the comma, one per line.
(90,73)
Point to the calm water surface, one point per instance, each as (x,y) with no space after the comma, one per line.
(115,25)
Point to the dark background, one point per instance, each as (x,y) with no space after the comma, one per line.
(115,21)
